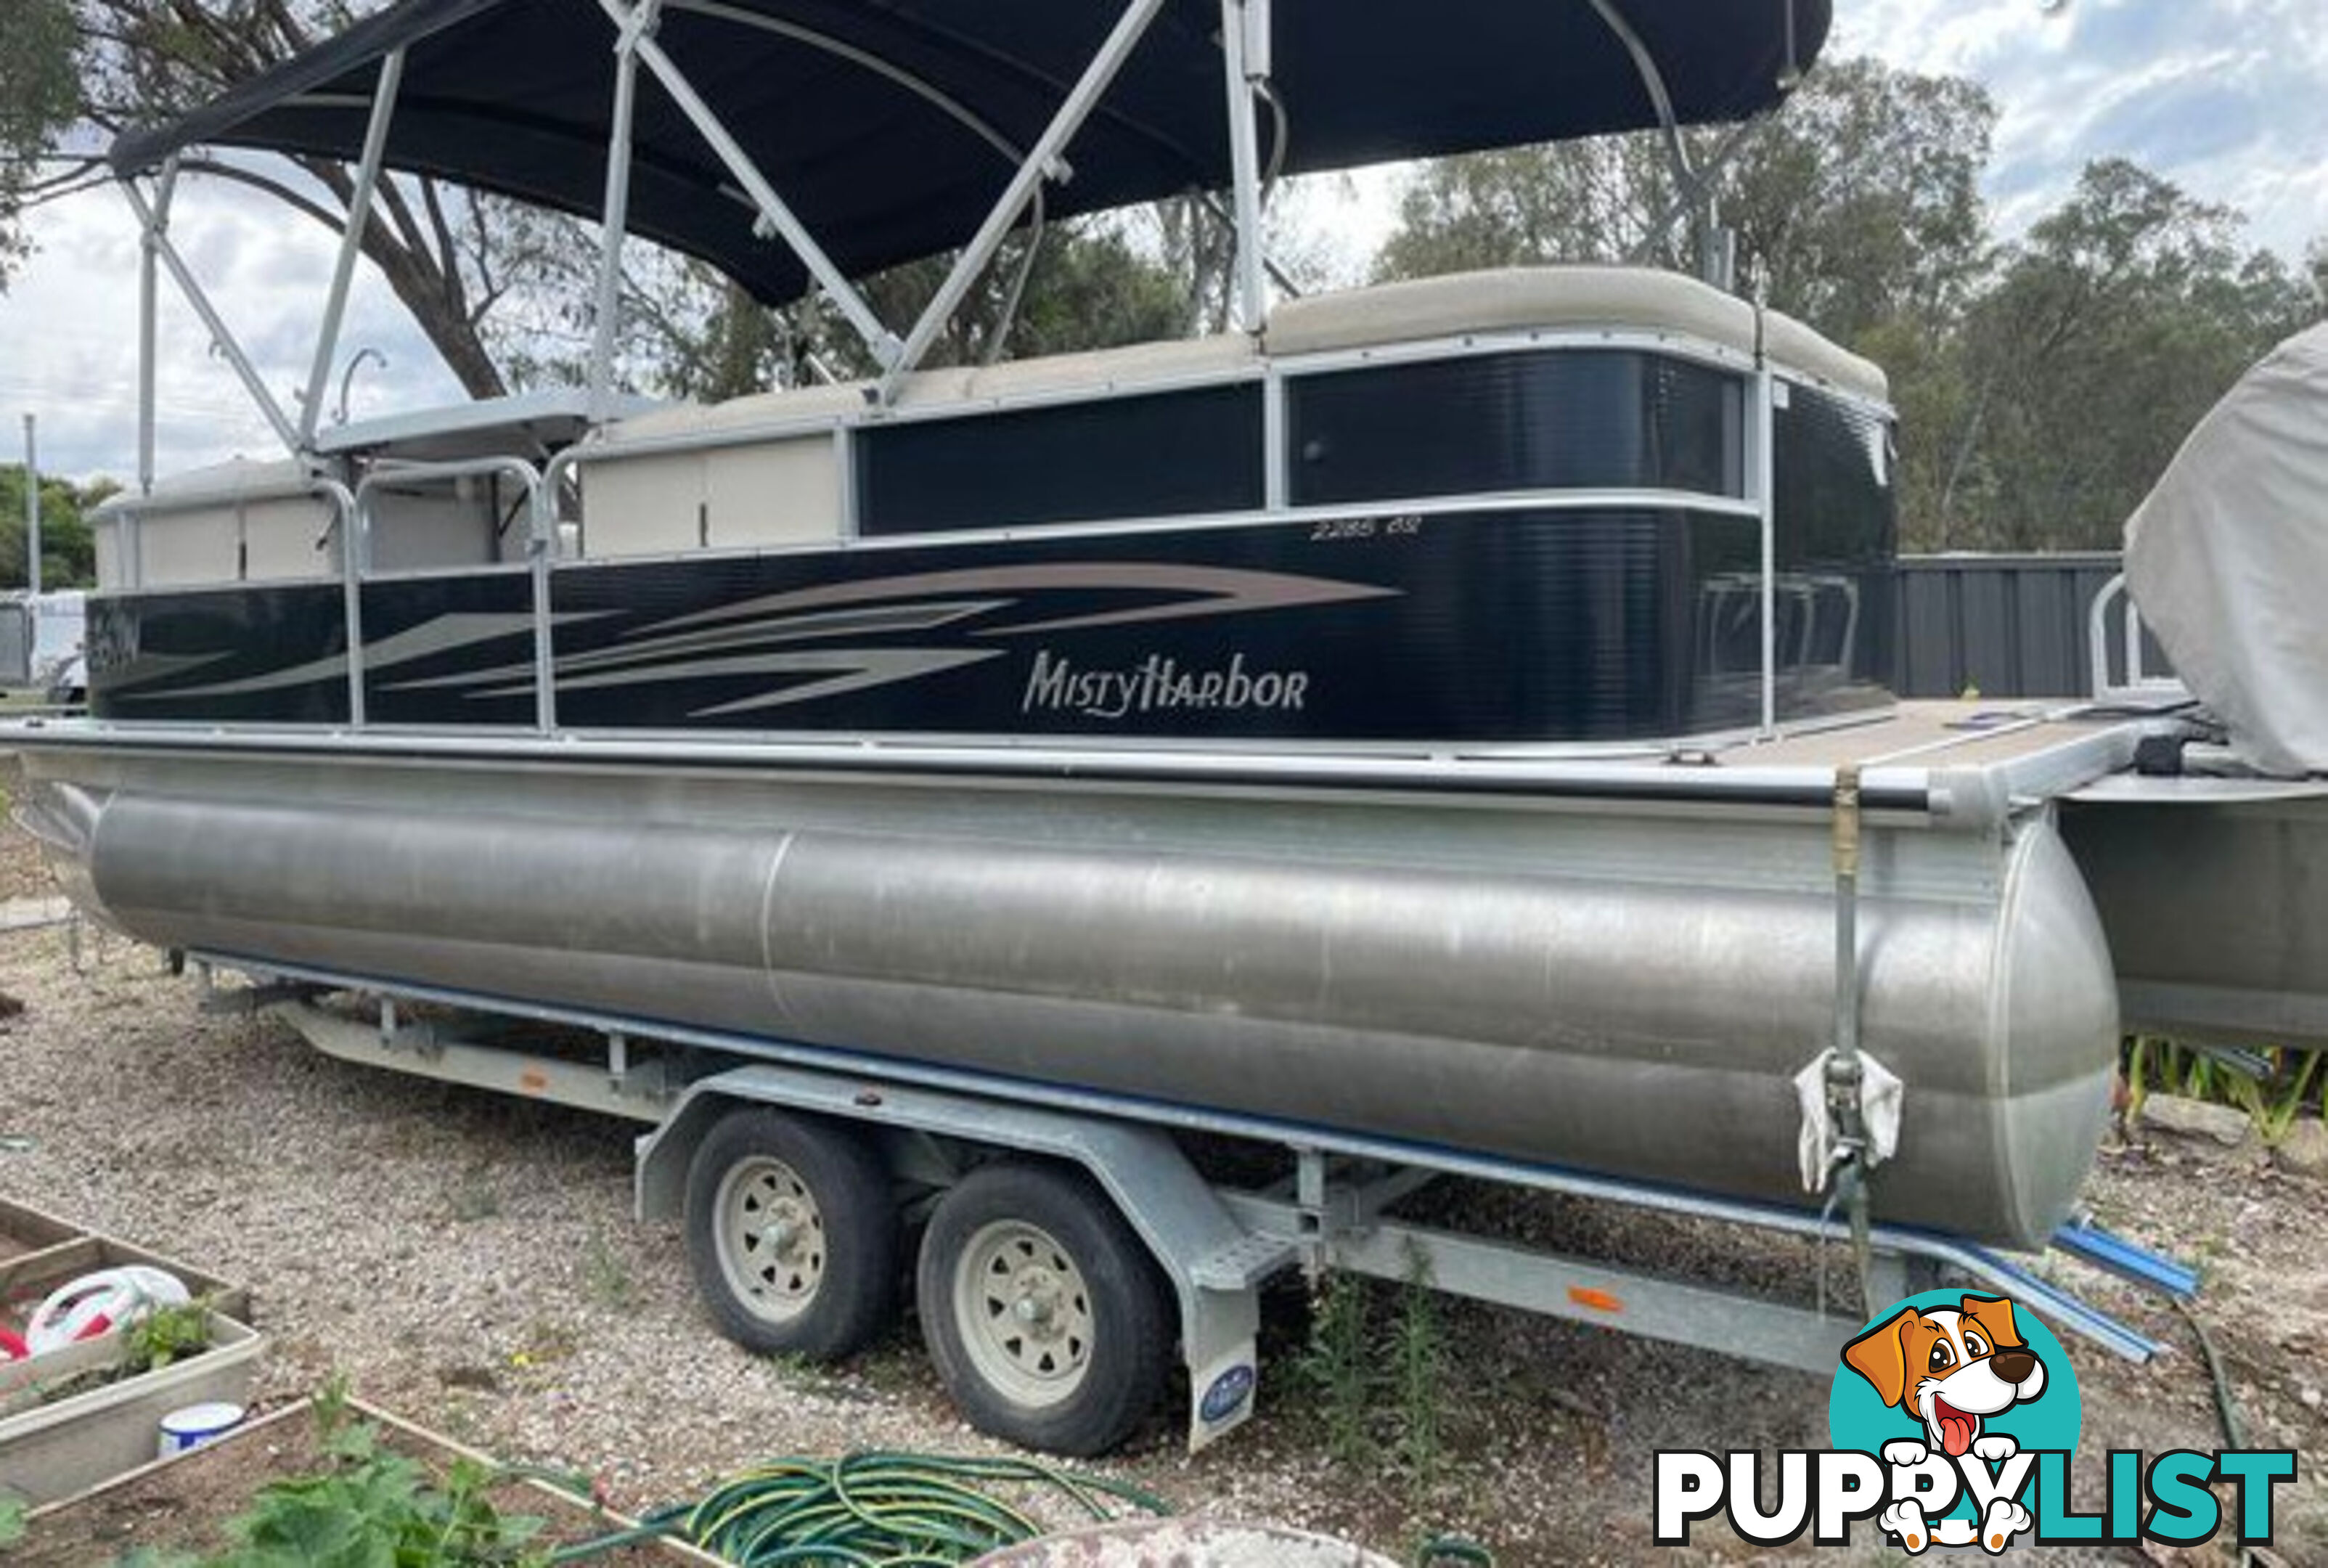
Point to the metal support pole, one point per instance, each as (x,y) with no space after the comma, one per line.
(1042,161)
(375,149)
(1695,191)
(32,509)
(1766,392)
(1244,24)
(542,539)
(353,545)
(616,216)
(148,320)
(183,276)
(773,214)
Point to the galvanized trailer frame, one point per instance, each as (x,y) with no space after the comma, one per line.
(1217,1244)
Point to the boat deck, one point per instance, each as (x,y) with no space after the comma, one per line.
(1967,765)
(1942,734)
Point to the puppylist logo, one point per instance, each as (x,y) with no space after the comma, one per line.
(1954,1417)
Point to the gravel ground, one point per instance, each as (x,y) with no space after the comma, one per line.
(470,1262)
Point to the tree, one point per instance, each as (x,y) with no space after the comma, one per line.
(142,60)
(1861,203)
(1592,200)
(687,331)
(68,549)
(2108,333)
(1857,202)
(39,95)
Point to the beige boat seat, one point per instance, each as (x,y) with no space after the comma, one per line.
(779,482)
(1518,299)
(665,482)
(225,523)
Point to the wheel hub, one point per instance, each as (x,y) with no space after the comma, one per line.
(770,1235)
(1025,1312)
(784,1233)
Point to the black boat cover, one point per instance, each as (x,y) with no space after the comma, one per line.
(861,113)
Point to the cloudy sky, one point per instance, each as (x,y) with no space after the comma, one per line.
(2229,97)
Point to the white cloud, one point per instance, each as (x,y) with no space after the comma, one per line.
(2220,96)
(69,332)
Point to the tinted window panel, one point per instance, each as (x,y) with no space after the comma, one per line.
(1168,453)
(1543,419)
(1837,536)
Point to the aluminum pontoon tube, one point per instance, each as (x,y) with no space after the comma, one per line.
(1607,989)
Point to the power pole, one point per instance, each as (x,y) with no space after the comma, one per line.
(32,511)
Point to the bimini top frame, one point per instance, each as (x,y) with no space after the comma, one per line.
(799,144)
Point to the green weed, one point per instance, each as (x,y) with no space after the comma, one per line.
(1419,1346)
(2274,1086)
(166,1334)
(1367,1375)
(1334,1365)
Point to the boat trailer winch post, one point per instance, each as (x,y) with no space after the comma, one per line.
(1217,1244)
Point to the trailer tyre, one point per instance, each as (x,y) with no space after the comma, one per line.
(793,1234)
(1044,1315)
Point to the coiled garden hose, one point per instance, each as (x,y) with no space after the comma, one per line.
(871,1511)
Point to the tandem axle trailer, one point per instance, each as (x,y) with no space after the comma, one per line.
(1073,1240)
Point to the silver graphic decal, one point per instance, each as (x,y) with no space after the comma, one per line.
(444,634)
(147,667)
(1211,591)
(793,629)
(851,668)
(696,645)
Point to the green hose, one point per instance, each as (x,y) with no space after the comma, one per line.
(870,1510)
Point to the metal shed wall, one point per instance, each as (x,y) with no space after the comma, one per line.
(2006,626)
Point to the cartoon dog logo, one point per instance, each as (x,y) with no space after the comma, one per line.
(1951,1369)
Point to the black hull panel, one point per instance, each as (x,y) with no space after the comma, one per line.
(1535,625)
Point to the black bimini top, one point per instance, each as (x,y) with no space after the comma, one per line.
(878,121)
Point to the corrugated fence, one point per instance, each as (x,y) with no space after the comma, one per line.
(2005,625)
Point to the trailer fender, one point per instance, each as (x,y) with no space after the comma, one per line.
(1214,1264)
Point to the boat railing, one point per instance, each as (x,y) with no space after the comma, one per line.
(2138,681)
(540,530)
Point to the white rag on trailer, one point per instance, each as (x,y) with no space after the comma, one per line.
(2226,559)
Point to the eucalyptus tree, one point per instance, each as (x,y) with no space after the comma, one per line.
(2109,329)
(39,100)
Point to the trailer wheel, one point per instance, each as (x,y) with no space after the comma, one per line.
(793,1234)
(1043,1311)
